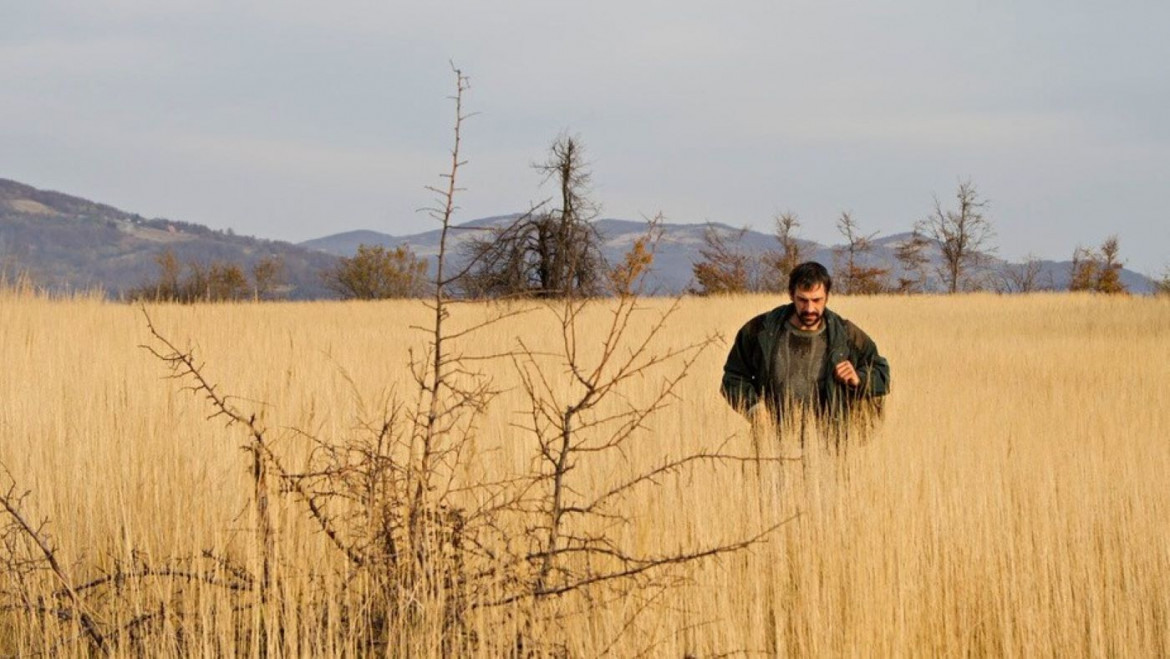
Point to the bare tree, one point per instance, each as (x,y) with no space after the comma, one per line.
(855,275)
(724,268)
(568,265)
(912,255)
(1022,277)
(544,253)
(266,277)
(168,285)
(571,428)
(964,237)
(404,533)
(1162,285)
(1084,270)
(777,265)
(217,282)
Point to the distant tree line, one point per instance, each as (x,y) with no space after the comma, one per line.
(953,244)
(554,250)
(218,281)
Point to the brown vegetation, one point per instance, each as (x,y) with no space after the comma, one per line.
(1162,286)
(378,273)
(1097,270)
(723,267)
(1037,529)
(778,263)
(726,268)
(912,255)
(1023,277)
(217,282)
(854,275)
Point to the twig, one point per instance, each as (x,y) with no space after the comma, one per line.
(645,566)
(11,502)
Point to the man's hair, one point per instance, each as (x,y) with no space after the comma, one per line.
(807,275)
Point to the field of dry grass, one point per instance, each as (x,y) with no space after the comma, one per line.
(1012,502)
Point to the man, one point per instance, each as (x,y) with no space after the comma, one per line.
(803,357)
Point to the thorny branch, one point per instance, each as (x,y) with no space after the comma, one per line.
(642,565)
(573,426)
(11,502)
(183,365)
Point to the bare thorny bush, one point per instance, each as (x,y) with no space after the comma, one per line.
(421,547)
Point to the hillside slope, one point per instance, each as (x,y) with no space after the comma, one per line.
(66,243)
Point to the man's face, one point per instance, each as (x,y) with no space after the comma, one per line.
(810,306)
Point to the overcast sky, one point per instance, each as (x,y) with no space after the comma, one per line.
(295,120)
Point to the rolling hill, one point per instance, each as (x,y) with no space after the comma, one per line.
(66,243)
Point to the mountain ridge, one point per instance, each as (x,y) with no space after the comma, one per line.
(69,243)
(679,246)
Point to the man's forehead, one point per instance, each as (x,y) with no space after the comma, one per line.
(814,291)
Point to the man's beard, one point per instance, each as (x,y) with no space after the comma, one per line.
(809,319)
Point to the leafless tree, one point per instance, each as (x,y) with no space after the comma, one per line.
(406,532)
(1022,277)
(778,264)
(1162,284)
(964,237)
(570,428)
(724,268)
(544,253)
(912,255)
(266,277)
(855,275)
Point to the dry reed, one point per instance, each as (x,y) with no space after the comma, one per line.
(1012,502)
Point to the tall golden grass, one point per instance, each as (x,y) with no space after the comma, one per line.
(1014,500)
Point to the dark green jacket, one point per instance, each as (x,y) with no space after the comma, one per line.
(747,374)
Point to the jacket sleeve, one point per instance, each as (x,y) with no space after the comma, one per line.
(741,385)
(872,368)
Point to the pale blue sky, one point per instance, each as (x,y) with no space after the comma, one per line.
(294,120)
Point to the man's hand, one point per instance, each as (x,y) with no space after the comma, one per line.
(844,372)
